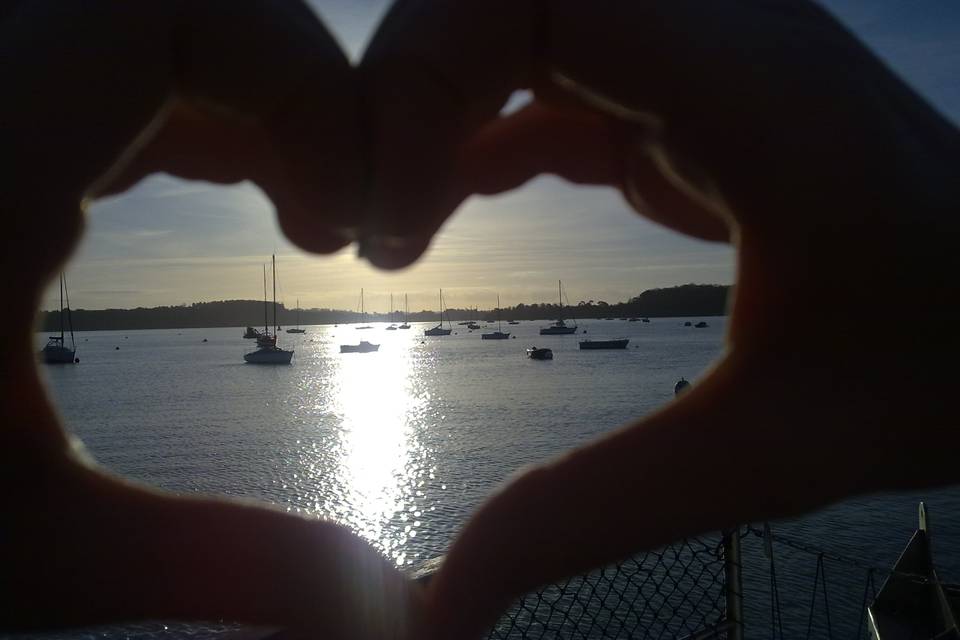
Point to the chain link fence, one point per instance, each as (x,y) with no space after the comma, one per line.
(675,592)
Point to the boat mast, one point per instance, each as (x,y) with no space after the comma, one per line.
(406,308)
(273,260)
(498,314)
(266,321)
(61,307)
(363,314)
(298,313)
(73,341)
(560,299)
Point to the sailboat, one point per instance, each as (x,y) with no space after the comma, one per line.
(498,334)
(393,325)
(298,329)
(267,350)
(559,328)
(406,312)
(363,314)
(56,351)
(439,330)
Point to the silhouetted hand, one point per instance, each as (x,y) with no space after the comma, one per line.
(762,122)
(97,95)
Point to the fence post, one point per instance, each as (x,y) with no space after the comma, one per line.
(734,586)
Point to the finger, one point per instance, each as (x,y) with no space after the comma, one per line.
(584,147)
(195,145)
(720,456)
(272,77)
(108,552)
(431,78)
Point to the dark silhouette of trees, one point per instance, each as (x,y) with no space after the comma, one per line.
(682,301)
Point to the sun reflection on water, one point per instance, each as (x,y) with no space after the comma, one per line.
(381,463)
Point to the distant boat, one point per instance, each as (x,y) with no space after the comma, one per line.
(559,328)
(620,343)
(439,330)
(472,326)
(688,324)
(393,326)
(647,320)
(634,320)
(535,353)
(681,386)
(406,312)
(56,351)
(268,352)
(298,329)
(701,325)
(363,314)
(513,322)
(251,333)
(498,334)
(363,347)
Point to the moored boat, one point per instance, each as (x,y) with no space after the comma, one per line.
(363,347)
(539,353)
(498,334)
(267,350)
(298,329)
(560,327)
(56,350)
(620,343)
(439,330)
(406,312)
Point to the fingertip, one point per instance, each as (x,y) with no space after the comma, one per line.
(390,252)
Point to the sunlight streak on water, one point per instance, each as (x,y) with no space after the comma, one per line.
(380,459)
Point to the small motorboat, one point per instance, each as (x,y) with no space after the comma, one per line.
(535,353)
(392,327)
(514,322)
(363,347)
(701,325)
(472,326)
(496,335)
(620,343)
(688,324)
(646,320)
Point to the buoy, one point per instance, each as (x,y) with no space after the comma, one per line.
(116,348)
(681,386)
(76,360)
(204,339)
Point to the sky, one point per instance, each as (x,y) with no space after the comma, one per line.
(169,241)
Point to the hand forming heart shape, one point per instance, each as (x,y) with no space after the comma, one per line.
(762,121)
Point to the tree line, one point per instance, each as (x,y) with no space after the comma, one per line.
(688,300)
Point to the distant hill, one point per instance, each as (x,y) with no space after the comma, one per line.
(683,301)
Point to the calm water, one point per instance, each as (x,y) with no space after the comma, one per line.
(401,445)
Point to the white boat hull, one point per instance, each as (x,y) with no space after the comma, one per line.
(363,347)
